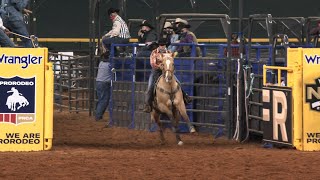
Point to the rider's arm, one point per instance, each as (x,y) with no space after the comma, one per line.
(153,59)
(116,28)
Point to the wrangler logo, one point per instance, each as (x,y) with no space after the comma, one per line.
(312,59)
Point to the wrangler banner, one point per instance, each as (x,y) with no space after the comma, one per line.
(311,99)
(26,107)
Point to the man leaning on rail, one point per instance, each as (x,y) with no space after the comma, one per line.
(103,85)
(12,15)
(5,41)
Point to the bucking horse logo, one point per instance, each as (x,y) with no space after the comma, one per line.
(16,98)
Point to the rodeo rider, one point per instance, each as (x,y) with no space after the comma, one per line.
(155,62)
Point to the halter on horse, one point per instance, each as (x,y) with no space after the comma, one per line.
(169,99)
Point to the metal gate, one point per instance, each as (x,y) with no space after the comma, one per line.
(71,82)
(206,79)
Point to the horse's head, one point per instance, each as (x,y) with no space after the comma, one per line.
(167,66)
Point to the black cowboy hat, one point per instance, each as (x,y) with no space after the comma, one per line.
(181,25)
(146,23)
(112,10)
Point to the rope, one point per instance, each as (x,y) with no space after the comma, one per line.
(246,101)
(32,38)
(237,131)
(251,84)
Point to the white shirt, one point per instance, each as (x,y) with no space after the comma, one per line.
(119,28)
(1,25)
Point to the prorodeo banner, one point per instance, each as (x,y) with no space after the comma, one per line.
(22,102)
(311,99)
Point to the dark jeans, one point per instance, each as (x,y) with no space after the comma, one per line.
(107,41)
(154,75)
(103,93)
(5,41)
(19,27)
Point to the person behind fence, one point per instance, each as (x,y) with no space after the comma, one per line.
(5,41)
(235,51)
(119,34)
(174,39)
(148,36)
(179,21)
(315,30)
(186,36)
(167,32)
(12,15)
(156,72)
(103,86)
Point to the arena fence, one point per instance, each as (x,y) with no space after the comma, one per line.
(206,79)
(71,80)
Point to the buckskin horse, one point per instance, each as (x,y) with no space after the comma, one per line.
(169,99)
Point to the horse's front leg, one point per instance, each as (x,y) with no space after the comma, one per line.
(182,109)
(156,117)
(167,109)
(175,123)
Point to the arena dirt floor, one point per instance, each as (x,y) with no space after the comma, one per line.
(84,149)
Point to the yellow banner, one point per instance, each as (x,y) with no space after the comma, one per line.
(22,102)
(311,99)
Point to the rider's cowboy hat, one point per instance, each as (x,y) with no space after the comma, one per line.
(113,10)
(146,23)
(162,42)
(167,25)
(179,20)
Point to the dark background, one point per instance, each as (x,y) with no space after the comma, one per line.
(70,18)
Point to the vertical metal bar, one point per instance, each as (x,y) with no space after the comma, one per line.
(279,77)
(222,65)
(99,23)
(193,54)
(155,15)
(111,90)
(92,24)
(60,84)
(240,28)
(69,85)
(229,82)
(264,75)
(241,98)
(77,81)
(133,73)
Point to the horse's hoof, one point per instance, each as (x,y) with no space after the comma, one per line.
(180,143)
(192,130)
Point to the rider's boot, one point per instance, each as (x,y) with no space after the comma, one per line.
(186,98)
(148,102)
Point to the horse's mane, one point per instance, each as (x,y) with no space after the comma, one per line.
(168,54)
